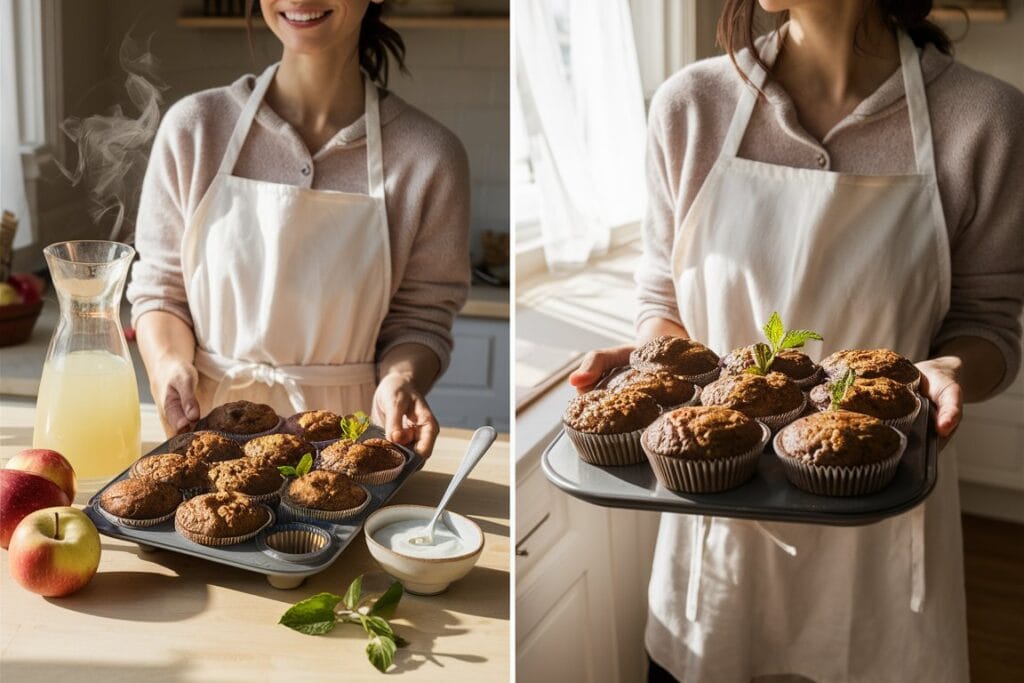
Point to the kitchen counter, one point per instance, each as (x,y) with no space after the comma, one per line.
(485,301)
(161,616)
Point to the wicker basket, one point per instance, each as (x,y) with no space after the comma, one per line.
(17,321)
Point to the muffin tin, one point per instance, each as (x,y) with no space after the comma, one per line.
(254,555)
(768,496)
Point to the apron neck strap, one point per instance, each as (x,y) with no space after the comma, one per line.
(748,98)
(244,123)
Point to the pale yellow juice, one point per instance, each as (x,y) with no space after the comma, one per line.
(88,410)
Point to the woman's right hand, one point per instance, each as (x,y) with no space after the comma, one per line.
(596,364)
(173,383)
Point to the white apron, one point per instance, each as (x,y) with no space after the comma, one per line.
(864,260)
(288,286)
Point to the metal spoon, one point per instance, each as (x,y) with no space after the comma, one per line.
(478,445)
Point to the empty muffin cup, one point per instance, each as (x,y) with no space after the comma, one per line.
(294,542)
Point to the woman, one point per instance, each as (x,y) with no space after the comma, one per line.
(862,183)
(303,235)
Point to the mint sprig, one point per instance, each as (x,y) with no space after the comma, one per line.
(319,614)
(303,467)
(778,340)
(353,426)
(837,389)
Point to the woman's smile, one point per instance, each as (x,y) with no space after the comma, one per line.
(305,18)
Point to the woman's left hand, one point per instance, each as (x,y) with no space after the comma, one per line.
(940,383)
(403,411)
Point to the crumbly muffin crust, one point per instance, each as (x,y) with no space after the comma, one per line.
(665,388)
(140,499)
(359,458)
(608,412)
(674,355)
(871,363)
(790,362)
(207,446)
(754,395)
(251,477)
(172,468)
(879,397)
(702,433)
(278,449)
(325,490)
(241,417)
(221,515)
(314,425)
(838,438)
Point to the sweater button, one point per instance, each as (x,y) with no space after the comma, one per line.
(305,170)
(822,161)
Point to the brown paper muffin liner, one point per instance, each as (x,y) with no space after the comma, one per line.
(271,497)
(381,477)
(607,450)
(694,401)
(903,424)
(130,523)
(707,476)
(295,511)
(246,437)
(203,539)
(777,422)
(835,480)
(294,541)
(812,380)
(704,378)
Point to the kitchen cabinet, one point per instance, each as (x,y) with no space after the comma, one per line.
(474,391)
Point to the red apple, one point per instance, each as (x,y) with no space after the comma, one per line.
(22,493)
(54,551)
(47,464)
(29,286)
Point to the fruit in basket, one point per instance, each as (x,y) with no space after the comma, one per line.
(47,464)
(8,295)
(22,493)
(28,286)
(54,551)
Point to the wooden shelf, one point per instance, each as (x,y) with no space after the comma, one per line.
(978,12)
(455,21)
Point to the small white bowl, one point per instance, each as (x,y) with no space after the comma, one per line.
(424,576)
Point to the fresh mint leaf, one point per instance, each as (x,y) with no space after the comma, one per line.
(795,339)
(381,652)
(763,357)
(354,592)
(353,426)
(287,471)
(837,389)
(313,616)
(304,465)
(387,603)
(774,331)
(377,626)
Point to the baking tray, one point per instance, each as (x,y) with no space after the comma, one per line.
(280,573)
(768,496)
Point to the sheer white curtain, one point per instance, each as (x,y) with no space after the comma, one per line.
(578,84)
(12,179)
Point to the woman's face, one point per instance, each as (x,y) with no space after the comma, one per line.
(311,26)
(782,5)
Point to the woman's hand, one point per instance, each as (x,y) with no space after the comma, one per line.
(173,384)
(596,364)
(401,408)
(940,382)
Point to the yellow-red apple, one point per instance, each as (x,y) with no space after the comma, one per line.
(54,551)
(48,464)
(22,493)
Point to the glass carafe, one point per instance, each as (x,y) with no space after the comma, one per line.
(88,403)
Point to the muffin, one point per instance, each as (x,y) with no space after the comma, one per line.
(314,425)
(774,399)
(704,449)
(221,518)
(794,364)
(605,426)
(678,356)
(839,453)
(668,390)
(374,461)
(172,468)
(324,495)
(869,363)
(241,418)
(890,401)
(139,503)
(257,479)
(278,449)
(207,446)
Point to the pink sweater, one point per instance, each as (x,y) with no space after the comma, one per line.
(978,130)
(426,187)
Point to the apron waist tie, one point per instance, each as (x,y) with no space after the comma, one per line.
(234,374)
(701,527)
(917,559)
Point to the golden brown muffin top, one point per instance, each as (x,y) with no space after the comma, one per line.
(702,433)
(871,363)
(674,355)
(314,425)
(140,498)
(754,395)
(241,417)
(278,449)
(879,397)
(172,468)
(611,412)
(324,490)
(839,438)
(790,362)
(221,515)
(665,388)
(363,457)
(207,446)
(251,477)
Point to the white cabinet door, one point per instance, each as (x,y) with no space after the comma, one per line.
(475,389)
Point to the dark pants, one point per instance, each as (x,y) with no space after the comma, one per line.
(656,674)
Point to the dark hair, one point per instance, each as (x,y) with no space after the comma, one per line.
(736,26)
(376,40)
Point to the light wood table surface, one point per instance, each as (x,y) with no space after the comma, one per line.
(161,616)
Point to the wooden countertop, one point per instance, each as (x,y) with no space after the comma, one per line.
(485,301)
(162,616)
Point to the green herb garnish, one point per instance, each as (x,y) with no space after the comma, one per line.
(837,389)
(352,426)
(778,339)
(302,468)
(319,614)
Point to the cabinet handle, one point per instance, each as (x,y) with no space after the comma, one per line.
(523,552)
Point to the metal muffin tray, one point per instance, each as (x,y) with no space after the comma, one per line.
(768,496)
(251,555)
